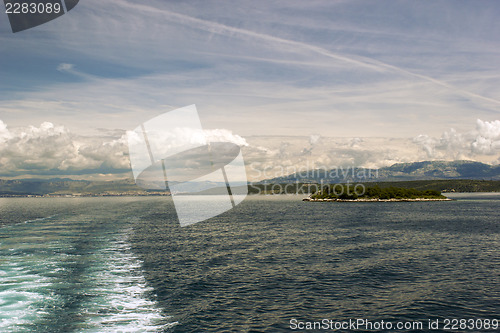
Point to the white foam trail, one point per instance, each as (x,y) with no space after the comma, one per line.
(115,287)
(124,306)
(21,295)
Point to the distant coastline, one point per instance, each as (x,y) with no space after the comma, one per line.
(64,188)
(85,195)
(377,200)
(440,185)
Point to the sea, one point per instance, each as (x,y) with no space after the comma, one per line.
(272,264)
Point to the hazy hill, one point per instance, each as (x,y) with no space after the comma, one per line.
(65,186)
(441,170)
(427,170)
(418,171)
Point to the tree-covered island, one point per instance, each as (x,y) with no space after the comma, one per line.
(359,192)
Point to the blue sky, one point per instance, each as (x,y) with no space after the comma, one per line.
(395,69)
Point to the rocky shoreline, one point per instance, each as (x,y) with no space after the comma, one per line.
(375,200)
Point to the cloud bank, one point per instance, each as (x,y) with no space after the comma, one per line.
(483,141)
(52,150)
(275,156)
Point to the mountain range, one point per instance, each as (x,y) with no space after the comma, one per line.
(427,170)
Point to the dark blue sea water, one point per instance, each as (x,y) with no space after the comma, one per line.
(124,264)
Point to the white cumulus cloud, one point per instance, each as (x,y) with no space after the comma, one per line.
(51,149)
(487,140)
(483,141)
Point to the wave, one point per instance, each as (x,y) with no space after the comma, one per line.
(40,219)
(49,282)
(22,295)
(124,304)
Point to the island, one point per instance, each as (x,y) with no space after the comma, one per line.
(361,193)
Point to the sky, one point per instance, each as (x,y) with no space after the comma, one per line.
(365,83)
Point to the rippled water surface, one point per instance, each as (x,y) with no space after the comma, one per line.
(124,264)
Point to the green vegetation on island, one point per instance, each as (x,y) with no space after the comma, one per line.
(442,185)
(361,192)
